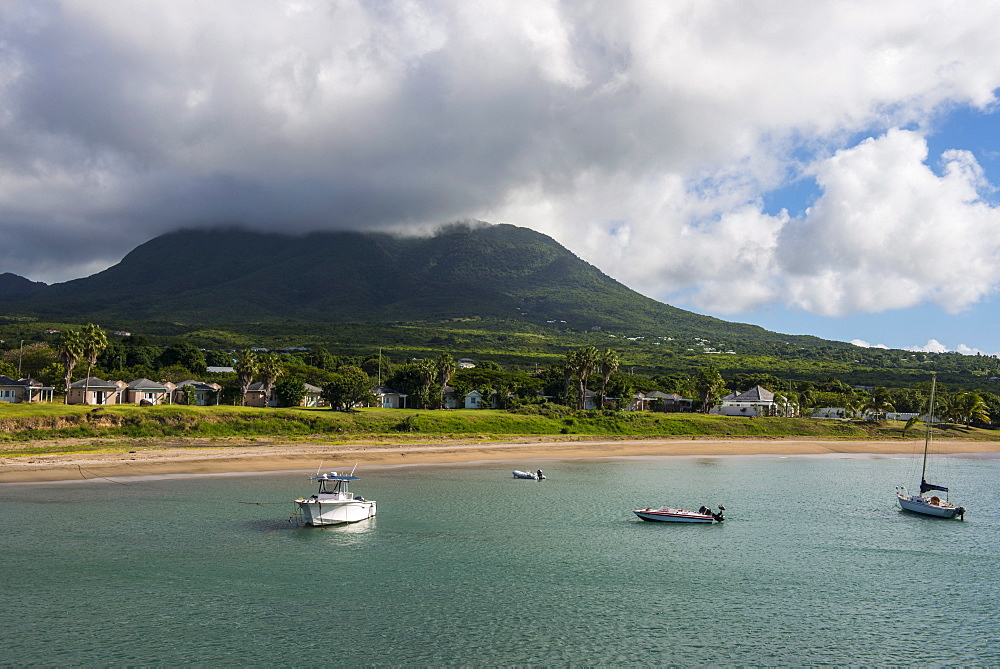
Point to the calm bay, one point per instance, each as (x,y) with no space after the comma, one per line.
(466,565)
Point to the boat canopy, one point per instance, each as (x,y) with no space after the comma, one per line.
(334,476)
(925,487)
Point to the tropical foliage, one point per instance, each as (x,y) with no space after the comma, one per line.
(348,387)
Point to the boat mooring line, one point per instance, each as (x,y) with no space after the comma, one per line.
(261,503)
(294,513)
(84,477)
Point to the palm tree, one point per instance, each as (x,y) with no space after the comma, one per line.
(427,372)
(270,368)
(607,363)
(946,407)
(585,360)
(568,367)
(246,365)
(445,369)
(854,404)
(880,401)
(969,407)
(70,349)
(910,423)
(94,341)
(807,400)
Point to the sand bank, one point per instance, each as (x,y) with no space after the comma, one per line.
(194,458)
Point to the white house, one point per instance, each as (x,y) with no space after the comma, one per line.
(387,398)
(149,392)
(24,390)
(93,390)
(313,396)
(205,394)
(754,402)
(868,414)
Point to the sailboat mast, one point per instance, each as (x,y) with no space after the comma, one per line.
(930,421)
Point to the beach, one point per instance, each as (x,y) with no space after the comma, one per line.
(195,457)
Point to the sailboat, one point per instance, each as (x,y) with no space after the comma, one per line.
(933,505)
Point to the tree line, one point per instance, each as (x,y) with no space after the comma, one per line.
(346,381)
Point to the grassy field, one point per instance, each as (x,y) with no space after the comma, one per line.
(38,428)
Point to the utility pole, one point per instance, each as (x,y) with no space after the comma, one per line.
(20,355)
(379,365)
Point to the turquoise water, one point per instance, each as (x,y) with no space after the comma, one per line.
(466,565)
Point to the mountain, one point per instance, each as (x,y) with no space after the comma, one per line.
(14,285)
(464,271)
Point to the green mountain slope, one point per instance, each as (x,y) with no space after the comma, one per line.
(497,272)
(14,285)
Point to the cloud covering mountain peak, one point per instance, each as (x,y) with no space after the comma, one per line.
(646,137)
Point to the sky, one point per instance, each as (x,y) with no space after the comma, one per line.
(823,167)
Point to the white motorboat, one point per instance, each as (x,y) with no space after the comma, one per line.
(668,515)
(537,476)
(334,504)
(929,506)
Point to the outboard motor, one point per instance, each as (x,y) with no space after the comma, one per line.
(718,516)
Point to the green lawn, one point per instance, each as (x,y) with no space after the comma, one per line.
(23,427)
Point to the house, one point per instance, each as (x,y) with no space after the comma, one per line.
(93,390)
(144,391)
(465,363)
(656,400)
(24,390)
(387,398)
(255,396)
(475,400)
(220,370)
(867,414)
(669,402)
(472,400)
(452,401)
(313,396)
(205,394)
(754,402)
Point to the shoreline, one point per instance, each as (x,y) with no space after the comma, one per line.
(209,459)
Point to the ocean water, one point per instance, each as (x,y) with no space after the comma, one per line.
(465,565)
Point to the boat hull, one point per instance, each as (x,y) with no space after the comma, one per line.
(923,506)
(336,512)
(672,516)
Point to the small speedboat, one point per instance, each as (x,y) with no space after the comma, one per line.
(668,515)
(537,476)
(334,504)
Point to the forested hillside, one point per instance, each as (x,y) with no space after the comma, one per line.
(513,277)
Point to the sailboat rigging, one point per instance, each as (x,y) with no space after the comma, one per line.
(933,505)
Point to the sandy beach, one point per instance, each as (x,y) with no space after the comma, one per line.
(192,457)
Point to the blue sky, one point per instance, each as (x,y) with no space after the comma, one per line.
(822,168)
(973,329)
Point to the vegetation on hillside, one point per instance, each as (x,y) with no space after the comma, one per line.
(536,319)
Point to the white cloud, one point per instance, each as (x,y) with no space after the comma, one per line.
(863,344)
(934,346)
(888,232)
(641,135)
